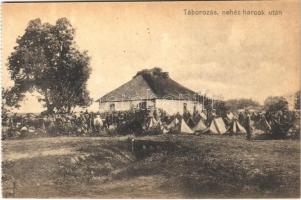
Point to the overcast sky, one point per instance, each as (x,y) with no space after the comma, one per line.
(233,56)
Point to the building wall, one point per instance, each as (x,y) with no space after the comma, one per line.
(170,106)
(177,106)
(123,105)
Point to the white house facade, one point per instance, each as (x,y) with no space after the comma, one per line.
(169,106)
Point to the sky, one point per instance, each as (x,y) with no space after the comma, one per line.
(229,56)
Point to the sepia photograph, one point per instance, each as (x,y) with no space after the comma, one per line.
(150,99)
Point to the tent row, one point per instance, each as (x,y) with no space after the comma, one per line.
(217,126)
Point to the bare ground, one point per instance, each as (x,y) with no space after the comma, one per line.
(204,166)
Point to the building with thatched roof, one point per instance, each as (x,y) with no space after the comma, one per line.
(151,89)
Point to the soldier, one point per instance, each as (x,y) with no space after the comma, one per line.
(248,125)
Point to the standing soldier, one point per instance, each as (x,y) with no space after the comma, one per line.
(248,126)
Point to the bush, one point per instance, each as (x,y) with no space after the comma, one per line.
(275,104)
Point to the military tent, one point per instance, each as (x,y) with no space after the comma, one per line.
(217,126)
(200,126)
(177,126)
(153,126)
(203,116)
(190,122)
(173,124)
(161,124)
(185,128)
(264,124)
(236,128)
(151,123)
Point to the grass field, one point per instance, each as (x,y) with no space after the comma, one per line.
(195,167)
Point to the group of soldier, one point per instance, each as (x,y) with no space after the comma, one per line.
(67,124)
(84,123)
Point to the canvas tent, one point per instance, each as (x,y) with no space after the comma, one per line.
(178,126)
(158,124)
(264,124)
(217,126)
(185,128)
(153,126)
(236,128)
(203,116)
(173,123)
(200,126)
(152,123)
(190,122)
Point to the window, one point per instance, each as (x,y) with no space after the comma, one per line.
(112,107)
(142,105)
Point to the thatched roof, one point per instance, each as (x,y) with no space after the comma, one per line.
(150,84)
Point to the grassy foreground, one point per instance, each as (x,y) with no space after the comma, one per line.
(196,167)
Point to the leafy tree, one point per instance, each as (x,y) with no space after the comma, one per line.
(47,60)
(207,102)
(10,98)
(4,109)
(297,100)
(236,104)
(221,108)
(274,104)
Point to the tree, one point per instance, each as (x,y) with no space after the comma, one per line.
(236,104)
(297,100)
(281,120)
(221,108)
(274,104)
(10,98)
(46,60)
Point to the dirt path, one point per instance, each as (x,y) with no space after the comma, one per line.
(30,148)
(38,147)
(13,156)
